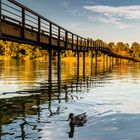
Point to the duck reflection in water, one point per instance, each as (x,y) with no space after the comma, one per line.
(71,133)
(78,120)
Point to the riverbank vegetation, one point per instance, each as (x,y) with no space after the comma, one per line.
(15,50)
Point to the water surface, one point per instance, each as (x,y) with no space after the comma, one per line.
(32,109)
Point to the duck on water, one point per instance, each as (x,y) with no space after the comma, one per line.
(78,120)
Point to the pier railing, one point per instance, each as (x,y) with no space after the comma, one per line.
(33,27)
(23,23)
(20,24)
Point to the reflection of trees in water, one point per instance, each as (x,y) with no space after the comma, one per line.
(135,71)
(20,109)
(125,68)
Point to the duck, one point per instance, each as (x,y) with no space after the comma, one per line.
(78,120)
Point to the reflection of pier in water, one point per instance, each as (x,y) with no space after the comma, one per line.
(23,107)
(62,90)
(20,113)
(42,98)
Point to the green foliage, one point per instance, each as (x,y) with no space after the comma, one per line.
(111,45)
(135,49)
(21,51)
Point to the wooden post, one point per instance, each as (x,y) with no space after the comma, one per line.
(23,23)
(59,69)
(50,66)
(50,31)
(84,64)
(59,65)
(59,30)
(91,67)
(107,62)
(38,36)
(0,18)
(77,64)
(120,61)
(96,63)
(112,61)
(103,62)
(66,93)
(66,39)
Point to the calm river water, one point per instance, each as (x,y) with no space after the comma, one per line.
(31,109)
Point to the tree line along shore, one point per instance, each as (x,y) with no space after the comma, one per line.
(13,50)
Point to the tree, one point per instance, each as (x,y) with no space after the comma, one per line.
(135,49)
(111,45)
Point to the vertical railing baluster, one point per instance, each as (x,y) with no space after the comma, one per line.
(0,17)
(72,42)
(50,41)
(87,42)
(58,36)
(77,43)
(92,43)
(23,23)
(66,39)
(39,24)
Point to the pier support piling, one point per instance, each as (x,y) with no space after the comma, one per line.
(91,67)
(107,62)
(77,64)
(83,64)
(103,62)
(59,66)
(59,70)
(50,66)
(96,63)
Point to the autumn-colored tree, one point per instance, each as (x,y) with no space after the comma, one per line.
(111,45)
(135,49)
(21,51)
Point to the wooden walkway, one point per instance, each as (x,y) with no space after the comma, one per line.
(20,24)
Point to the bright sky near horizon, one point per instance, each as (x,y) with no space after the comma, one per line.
(109,20)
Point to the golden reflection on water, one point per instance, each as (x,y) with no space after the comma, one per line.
(26,70)
(22,110)
(26,73)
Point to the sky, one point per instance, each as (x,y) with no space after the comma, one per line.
(109,20)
